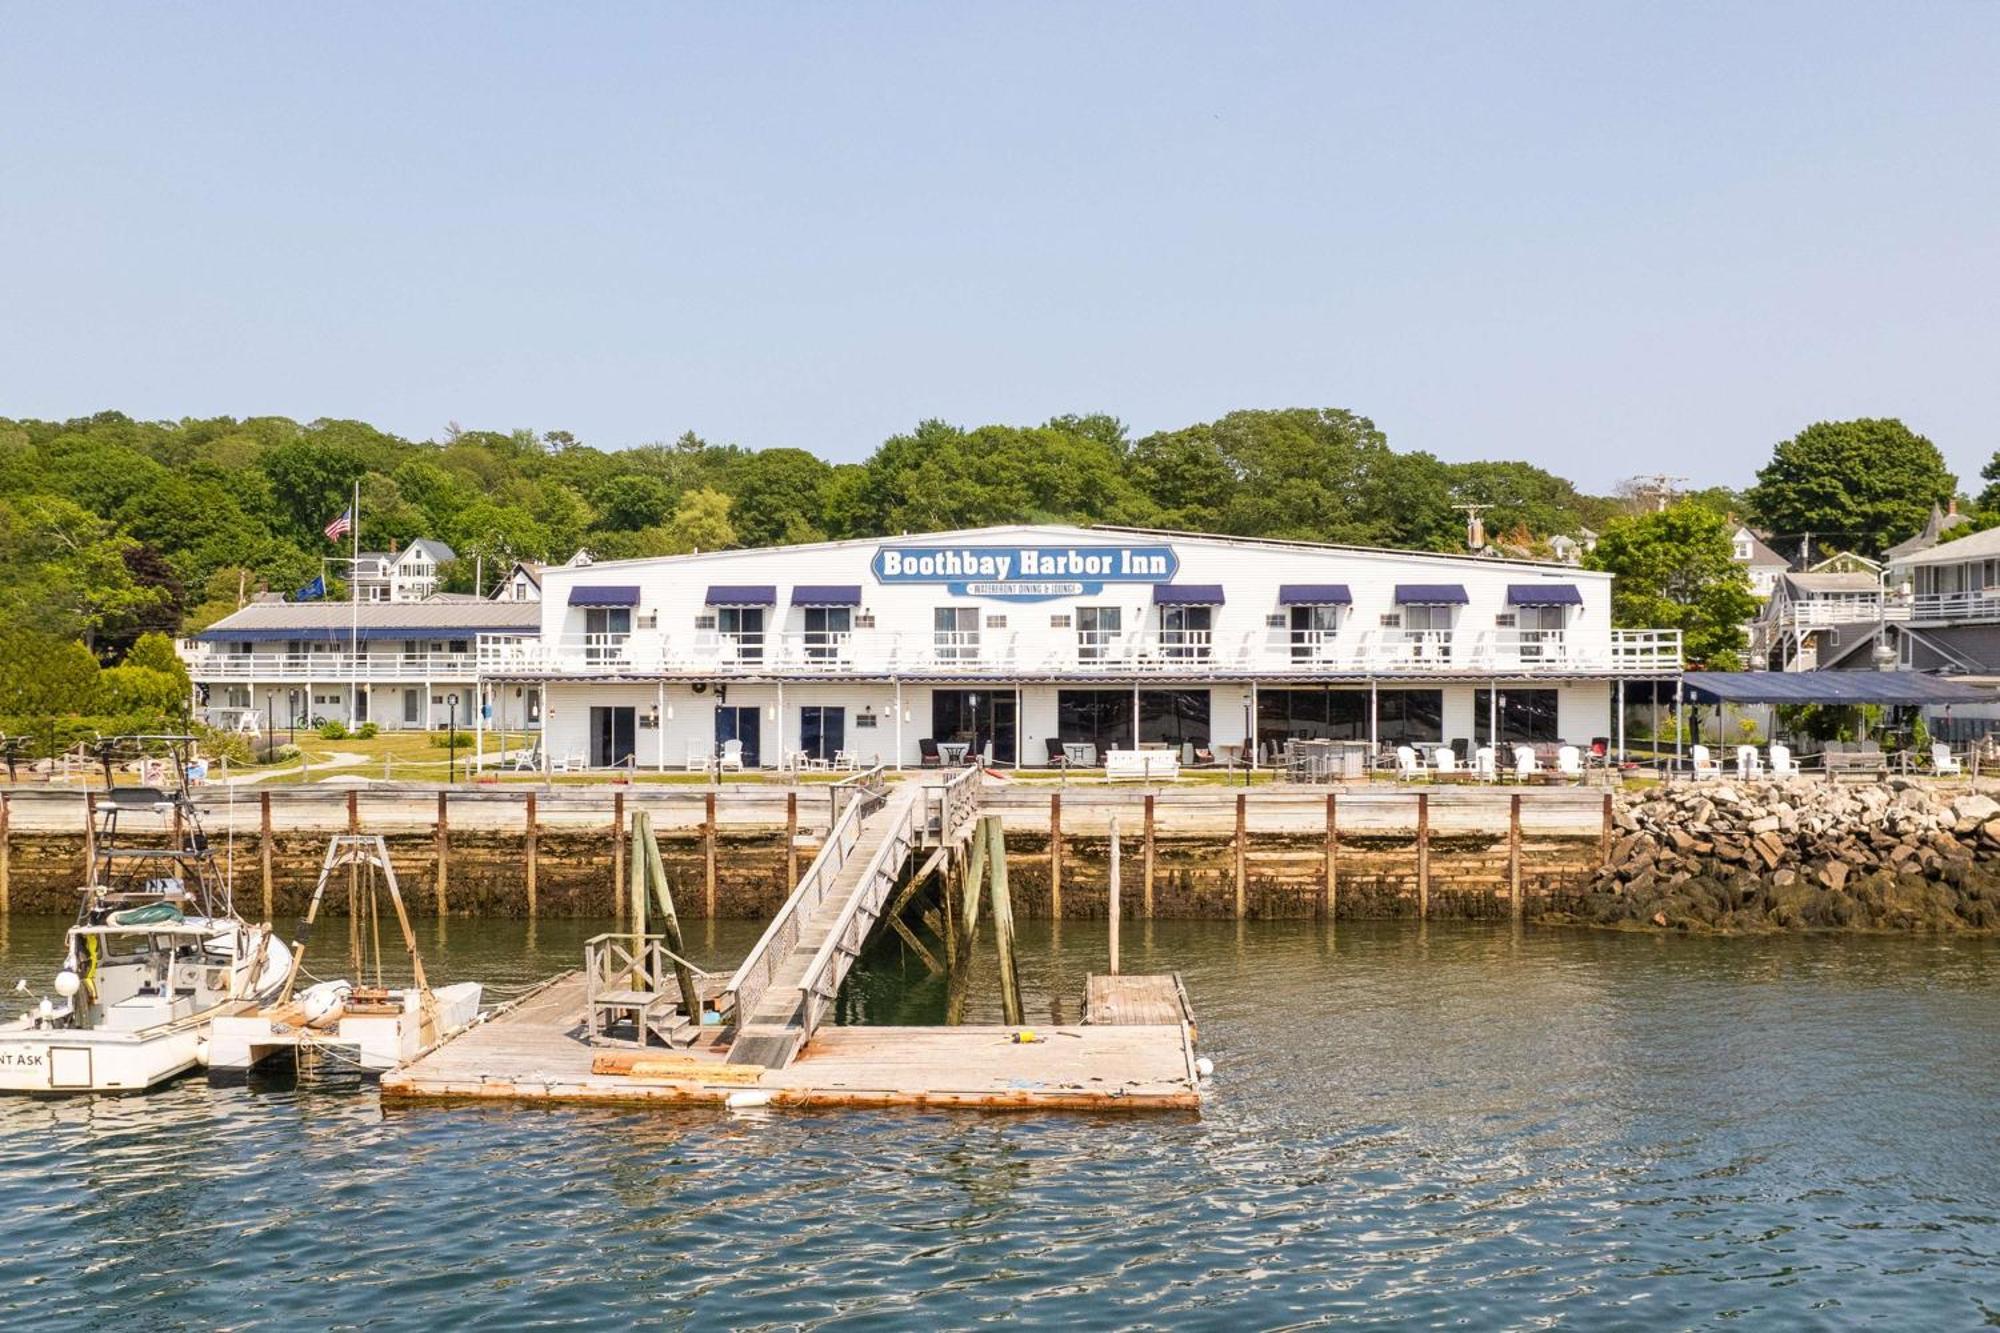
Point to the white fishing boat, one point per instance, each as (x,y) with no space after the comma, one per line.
(341,1026)
(157,951)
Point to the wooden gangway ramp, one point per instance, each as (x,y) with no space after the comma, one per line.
(537,1051)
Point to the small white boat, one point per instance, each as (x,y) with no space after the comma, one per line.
(156,955)
(337,1026)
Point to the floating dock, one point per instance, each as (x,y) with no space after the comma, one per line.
(1137,1056)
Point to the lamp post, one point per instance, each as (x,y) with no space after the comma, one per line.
(451,740)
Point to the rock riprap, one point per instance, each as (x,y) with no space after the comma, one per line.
(1799,855)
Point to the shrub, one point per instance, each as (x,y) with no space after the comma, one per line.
(367,731)
(443,739)
(333,729)
(218,745)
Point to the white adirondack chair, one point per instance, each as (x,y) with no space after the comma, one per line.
(1569,762)
(1444,762)
(1943,764)
(1705,766)
(1748,762)
(1409,767)
(1781,762)
(1485,764)
(731,759)
(1525,766)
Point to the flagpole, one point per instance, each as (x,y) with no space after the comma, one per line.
(354,613)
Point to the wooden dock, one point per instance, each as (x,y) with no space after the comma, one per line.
(536,1051)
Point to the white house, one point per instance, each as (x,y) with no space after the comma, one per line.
(1020,639)
(408,575)
(1763,564)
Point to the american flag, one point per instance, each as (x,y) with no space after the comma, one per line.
(339,527)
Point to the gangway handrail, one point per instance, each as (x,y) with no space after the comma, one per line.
(958,800)
(895,847)
(841,839)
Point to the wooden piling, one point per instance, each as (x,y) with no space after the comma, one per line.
(1242,850)
(1003,921)
(1146,872)
(1605,848)
(617,850)
(1514,856)
(264,853)
(1055,859)
(6,857)
(670,920)
(532,854)
(1329,898)
(443,853)
(708,857)
(354,812)
(1423,855)
(1114,912)
(792,840)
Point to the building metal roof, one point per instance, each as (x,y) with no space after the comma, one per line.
(742,594)
(1831,687)
(1543,594)
(1315,594)
(263,622)
(604,594)
(1833,583)
(1976,546)
(827,594)
(1187,594)
(1431,594)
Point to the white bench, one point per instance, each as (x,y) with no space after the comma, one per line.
(1143,765)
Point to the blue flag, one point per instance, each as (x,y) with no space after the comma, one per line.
(312,592)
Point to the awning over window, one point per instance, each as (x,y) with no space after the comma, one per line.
(825,594)
(1430,594)
(1187,594)
(1830,687)
(605,594)
(1543,594)
(1314,594)
(742,594)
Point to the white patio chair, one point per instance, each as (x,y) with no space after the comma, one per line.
(731,758)
(843,761)
(1485,764)
(699,756)
(1781,762)
(1409,767)
(1444,762)
(1705,766)
(1943,764)
(1569,762)
(1526,769)
(1748,762)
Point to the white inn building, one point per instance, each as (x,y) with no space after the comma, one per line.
(1017,640)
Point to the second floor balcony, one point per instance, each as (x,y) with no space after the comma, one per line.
(1164,653)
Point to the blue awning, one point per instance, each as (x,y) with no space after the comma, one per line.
(1430,594)
(1543,594)
(1314,594)
(605,594)
(825,594)
(742,594)
(1830,687)
(1187,594)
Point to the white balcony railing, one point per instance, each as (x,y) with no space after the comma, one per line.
(1136,653)
(1956,606)
(333,667)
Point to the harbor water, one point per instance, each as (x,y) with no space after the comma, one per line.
(1460,1125)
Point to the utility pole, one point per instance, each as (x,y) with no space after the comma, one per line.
(1475,531)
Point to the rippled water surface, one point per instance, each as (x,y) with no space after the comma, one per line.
(1459,1126)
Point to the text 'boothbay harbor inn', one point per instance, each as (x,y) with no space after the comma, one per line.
(1011,641)
(1015,642)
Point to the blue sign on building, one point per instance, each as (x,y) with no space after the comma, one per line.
(1025,573)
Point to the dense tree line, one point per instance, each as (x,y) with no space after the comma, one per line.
(110,527)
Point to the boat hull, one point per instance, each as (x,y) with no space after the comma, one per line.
(63,1061)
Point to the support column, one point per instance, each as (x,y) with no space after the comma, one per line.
(1374,723)
(264,850)
(1250,737)
(1423,855)
(1680,719)
(1113,912)
(780,765)
(708,856)
(532,851)
(1330,892)
(1055,855)
(1146,880)
(660,727)
(443,858)
(792,840)
(617,846)
(899,723)
(1514,906)
(1242,851)
(1620,706)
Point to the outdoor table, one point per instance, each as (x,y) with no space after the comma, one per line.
(1080,754)
(954,752)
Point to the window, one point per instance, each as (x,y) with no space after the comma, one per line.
(956,633)
(1102,718)
(827,628)
(649,620)
(706,620)
(1539,631)
(1175,717)
(977,719)
(742,630)
(605,629)
(996,622)
(1097,630)
(1390,620)
(822,730)
(1186,632)
(1527,717)
(1313,628)
(1427,631)
(1058,622)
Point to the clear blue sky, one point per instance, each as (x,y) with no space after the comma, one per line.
(1605,238)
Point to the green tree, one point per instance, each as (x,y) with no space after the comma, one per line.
(780,498)
(1863,485)
(629,503)
(64,571)
(700,523)
(155,652)
(44,675)
(1674,571)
